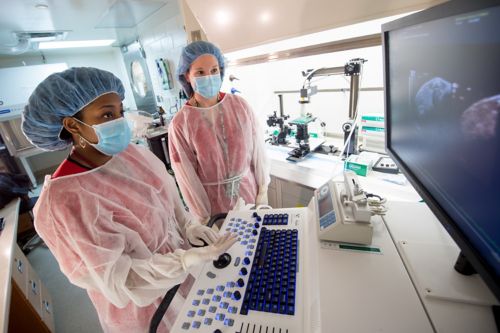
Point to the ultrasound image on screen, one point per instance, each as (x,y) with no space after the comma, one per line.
(445,118)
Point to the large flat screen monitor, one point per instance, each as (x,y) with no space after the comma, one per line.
(442,101)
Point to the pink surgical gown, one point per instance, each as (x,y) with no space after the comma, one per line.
(218,155)
(119,232)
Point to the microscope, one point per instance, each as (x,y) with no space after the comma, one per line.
(274,120)
(351,69)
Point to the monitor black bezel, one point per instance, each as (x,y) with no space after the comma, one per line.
(444,10)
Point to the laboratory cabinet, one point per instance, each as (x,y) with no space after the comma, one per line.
(30,304)
(25,303)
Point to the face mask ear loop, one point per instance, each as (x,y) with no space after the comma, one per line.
(82,141)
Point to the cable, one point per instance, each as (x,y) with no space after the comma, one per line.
(376,204)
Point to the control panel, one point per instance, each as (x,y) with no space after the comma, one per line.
(255,286)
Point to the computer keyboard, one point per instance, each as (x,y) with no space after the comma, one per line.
(272,281)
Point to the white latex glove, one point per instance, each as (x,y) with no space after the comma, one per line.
(200,255)
(197,233)
(261,197)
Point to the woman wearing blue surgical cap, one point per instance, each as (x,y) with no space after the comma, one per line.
(111,214)
(216,145)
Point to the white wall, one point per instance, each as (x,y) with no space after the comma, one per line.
(257,84)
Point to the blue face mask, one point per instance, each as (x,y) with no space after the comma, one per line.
(207,86)
(113,136)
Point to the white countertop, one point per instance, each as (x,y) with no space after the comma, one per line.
(316,169)
(7,240)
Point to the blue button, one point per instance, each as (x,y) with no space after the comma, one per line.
(212,309)
(244,242)
(196,302)
(190,313)
(232,309)
(246,261)
(210,291)
(216,298)
(220,288)
(224,305)
(248,253)
(205,301)
(186,326)
(200,292)
(229,322)
(250,247)
(220,316)
(227,294)
(201,312)
(230,284)
(196,324)
(208,321)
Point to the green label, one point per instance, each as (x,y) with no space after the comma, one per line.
(372,129)
(372,118)
(359,248)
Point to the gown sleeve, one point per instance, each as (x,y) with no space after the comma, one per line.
(260,160)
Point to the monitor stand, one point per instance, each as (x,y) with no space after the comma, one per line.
(431,266)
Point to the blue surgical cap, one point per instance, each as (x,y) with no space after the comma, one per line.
(63,95)
(189,54)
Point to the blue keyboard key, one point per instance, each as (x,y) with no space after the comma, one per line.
(216,298)
(190,313)
(196,324)
(210,291)
(230,284)
(224,305)
(232,309)
(208,321)
(227,294)
(229,322)
(212,309)
(201,312)
(186,326)
(220,288)
(205,301)
(196,302)
(220,316)
(200,292)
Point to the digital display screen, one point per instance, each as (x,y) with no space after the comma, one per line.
(325,202)
(444,105)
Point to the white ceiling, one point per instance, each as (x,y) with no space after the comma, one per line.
(80,18)
(239,24)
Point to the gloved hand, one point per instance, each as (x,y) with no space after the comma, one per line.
(261,196)
(199,255)
(197,233)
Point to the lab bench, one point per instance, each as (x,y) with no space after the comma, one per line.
(293,183)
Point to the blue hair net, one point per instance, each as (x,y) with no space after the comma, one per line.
(189,54)
(63,95)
